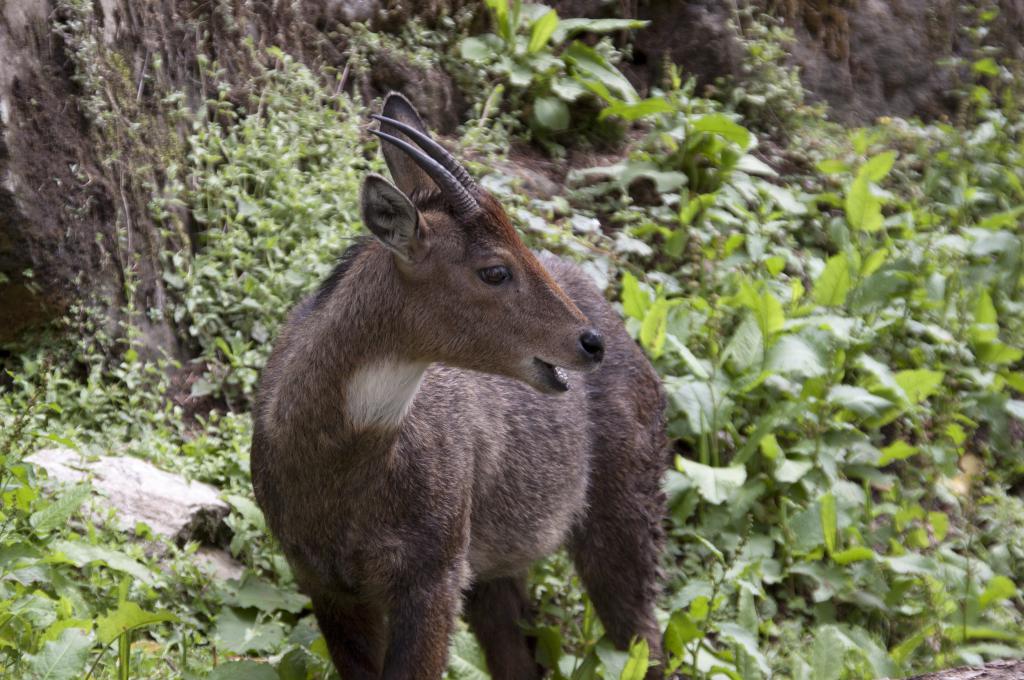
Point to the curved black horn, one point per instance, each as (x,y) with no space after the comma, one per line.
(465,203)
(433,149)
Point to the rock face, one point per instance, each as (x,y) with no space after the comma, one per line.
(868,58)
(87,132)
(140,492)
(865,58)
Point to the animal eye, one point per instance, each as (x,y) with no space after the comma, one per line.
(495,275)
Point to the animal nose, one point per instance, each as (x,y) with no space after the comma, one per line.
(592,345)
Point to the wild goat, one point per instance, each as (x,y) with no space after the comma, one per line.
(418,442)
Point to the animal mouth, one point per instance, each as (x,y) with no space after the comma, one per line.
(555,377)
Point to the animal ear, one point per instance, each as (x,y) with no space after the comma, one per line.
(391,216)
(408,176)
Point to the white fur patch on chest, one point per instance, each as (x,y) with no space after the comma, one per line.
(379,394)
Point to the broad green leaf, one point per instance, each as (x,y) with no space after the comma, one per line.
(832,287)
(829,526)
(746,641)
(997,589)
(775,265)
(243,670)
(877,167)
(1002,220)
(635,299)
(704,403)
(986,322)
(767,309)
(652,332)
(940,524)
(256,592)
(466,659)
(919,384)
(999,354)
(241,634)
(715,485)
(770,448)
(721,125)
(127,616)
(986,67)
(857,553)
(792,355)
(591,64)
(63,658)
(791,471)
(567,90)
(541,32)
(873,262)
(832,166)
(570,27)
(858,400)
(746,347)
(613,660)
(475,50)
(56,514)
(641,109)
(898,450)
(636,664)
(863,210)
(80,554)
(551,113)
(681,631)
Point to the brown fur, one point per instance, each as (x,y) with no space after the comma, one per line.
(389,527)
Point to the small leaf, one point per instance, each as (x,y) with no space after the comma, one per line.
(636,665)
(858,400)
(997,589)
(56,514)
(919,384)
(827,504)
(641,109)
(940,524)
(635,300)
(652,332)
(986,67)
(475,50)
(551,113)
(723,126)
(770,448)
(127,616)
(791,471)
(832,287)
(877,167)
(542,30)
(863,210)
(898,450)
(857,553)
(792,355)
(715,485)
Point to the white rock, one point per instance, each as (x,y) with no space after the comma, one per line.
(141,492)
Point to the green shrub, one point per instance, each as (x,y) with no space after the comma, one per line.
(275,196)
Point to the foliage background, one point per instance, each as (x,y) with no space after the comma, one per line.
(836,314)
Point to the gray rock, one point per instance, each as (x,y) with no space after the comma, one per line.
(218,564)
(140,492)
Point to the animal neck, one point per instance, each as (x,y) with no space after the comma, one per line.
(353,377)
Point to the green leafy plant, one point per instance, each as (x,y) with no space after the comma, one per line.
(548,78)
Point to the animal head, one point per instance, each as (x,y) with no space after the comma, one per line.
(476,296)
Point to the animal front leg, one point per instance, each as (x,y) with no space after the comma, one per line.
(353,634)
(496,610)
(421,625)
